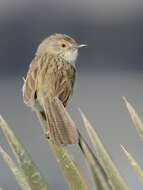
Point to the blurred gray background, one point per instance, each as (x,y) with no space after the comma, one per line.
(110,67)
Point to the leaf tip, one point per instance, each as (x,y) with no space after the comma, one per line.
(85,120)
(125,151)
(1,120)
(122,147)
(125,100)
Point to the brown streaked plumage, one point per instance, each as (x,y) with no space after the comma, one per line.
(49,84)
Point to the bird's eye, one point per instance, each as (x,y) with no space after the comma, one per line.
(63,45)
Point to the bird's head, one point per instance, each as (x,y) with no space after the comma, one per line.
(60,44)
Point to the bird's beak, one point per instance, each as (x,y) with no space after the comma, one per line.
(81,45)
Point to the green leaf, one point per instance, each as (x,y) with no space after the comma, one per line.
(20,177)
(99,175)
(114,177)
(134,164)
(29,168)
(70,170)
(71,173)
(135,118)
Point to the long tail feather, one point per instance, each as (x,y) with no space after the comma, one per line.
(62,129)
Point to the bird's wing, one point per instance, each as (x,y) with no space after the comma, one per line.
(67,84)
(29,86)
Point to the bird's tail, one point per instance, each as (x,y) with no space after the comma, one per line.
(62,130)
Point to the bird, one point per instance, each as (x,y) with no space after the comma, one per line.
(49,84)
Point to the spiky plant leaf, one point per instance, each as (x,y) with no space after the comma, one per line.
(134,164)
(29,168)
(114,177)
(99,175)
(70,170)
(135,118)
(20,177)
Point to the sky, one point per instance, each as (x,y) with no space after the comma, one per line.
(111,29)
